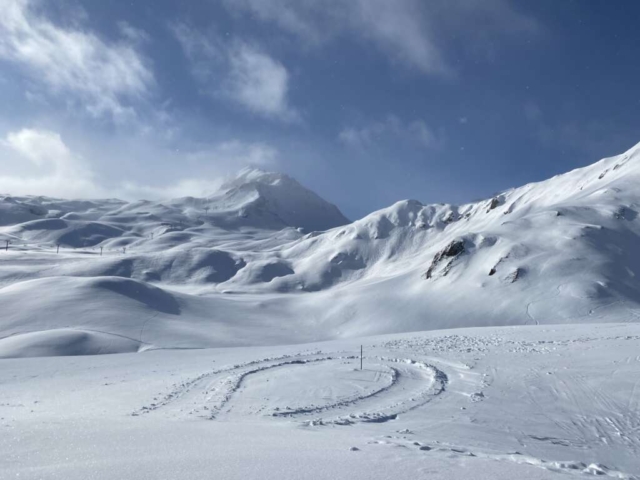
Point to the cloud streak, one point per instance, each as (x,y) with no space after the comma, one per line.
(416,132)
(239,72)
(103,77)
(408,32)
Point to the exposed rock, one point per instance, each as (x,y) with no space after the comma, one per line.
(509,210)
(494,270)
(454,249)
(477,397)
(515,275)
(494,203)
(624,213)
(449,218)
(451,251)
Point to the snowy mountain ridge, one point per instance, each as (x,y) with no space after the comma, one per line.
(266,261)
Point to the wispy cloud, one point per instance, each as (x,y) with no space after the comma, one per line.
(416,132)
(222,159)
(397,28)
(259,82)
(41,163)
(103,77)
(239,72)
(133,34)
(409,32)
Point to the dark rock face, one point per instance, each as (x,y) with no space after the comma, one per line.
(454,249)
(451,251)
(494,203)
(449,218)
(515,275)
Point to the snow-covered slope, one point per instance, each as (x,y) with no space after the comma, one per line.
(265,261)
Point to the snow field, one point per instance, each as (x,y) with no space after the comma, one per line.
(510,402)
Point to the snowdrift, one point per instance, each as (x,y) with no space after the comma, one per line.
(65,342)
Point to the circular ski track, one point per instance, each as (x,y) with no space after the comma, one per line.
(316,389)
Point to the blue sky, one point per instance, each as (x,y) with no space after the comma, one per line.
(365,101)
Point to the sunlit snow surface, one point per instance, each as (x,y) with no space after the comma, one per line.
(501,403)
(242,268)
(114,358)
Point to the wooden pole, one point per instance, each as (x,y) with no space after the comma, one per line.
(58,249)
(6,248)
(100,251)
(360,357)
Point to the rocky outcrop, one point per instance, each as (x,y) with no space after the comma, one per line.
(495,203)
(514,275)
(450,252)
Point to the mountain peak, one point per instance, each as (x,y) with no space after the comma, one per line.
(274,200)
(255,175)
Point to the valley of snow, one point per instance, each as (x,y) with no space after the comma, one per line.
(549,386)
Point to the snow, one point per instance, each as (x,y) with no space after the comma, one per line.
(117,321)
(51,343)
(244,272)
(493,402)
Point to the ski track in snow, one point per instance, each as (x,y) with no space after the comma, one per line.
(211,394)
(180,390)
(439,393)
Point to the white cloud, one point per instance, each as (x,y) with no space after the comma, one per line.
(239,72)
(259,82)
(313,21)
(39,162)
(412,32)
(133,34)
(400,30)
(56,170)
(391,128)
(201,49)
(69,61)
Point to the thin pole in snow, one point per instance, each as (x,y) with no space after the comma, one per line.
(100,251)
(58,249)
(6,248)
(360,357)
